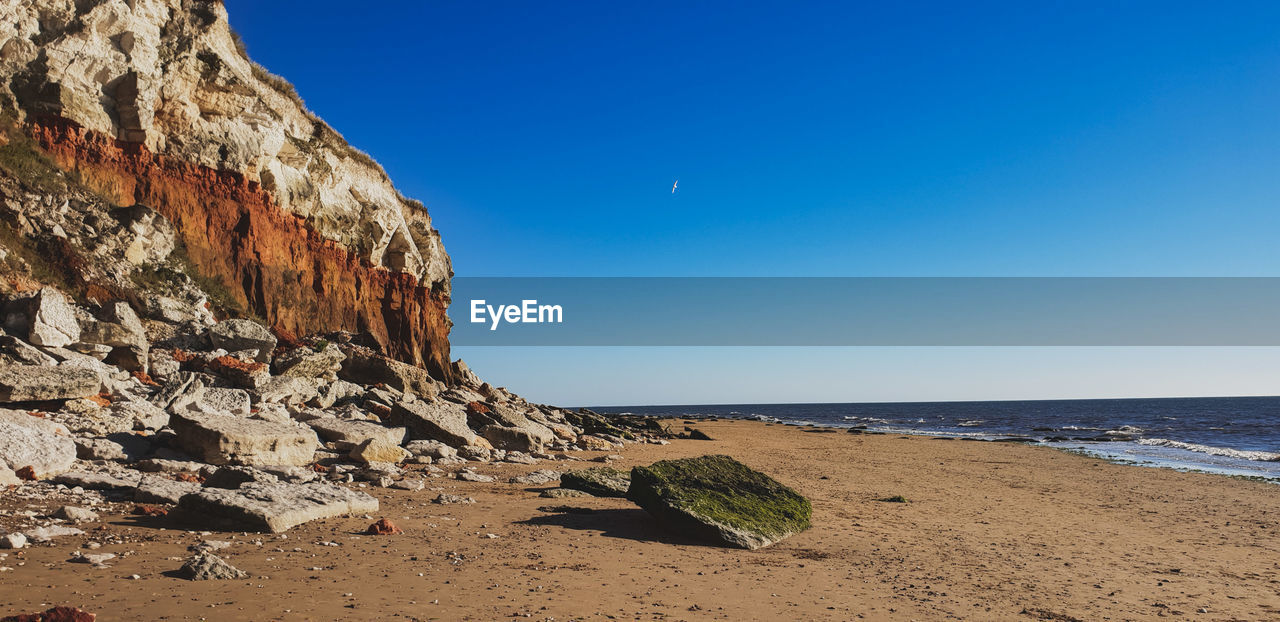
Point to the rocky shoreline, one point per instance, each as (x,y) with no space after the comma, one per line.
(222,425)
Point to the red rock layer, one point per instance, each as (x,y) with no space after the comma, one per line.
(270,261)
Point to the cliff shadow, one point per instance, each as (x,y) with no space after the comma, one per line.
(627,524)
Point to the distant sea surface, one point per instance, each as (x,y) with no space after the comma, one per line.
(1228,435)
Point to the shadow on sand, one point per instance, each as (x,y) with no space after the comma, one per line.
(628,524)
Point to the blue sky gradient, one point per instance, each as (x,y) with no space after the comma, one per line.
(814,139)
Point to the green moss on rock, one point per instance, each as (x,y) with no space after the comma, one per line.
(720,499)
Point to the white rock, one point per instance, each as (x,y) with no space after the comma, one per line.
(53,322)
(45,534)
(13,541)
(44,446)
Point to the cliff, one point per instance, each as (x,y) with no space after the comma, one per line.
(154,104)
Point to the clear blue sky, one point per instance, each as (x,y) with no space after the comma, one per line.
(1028,139)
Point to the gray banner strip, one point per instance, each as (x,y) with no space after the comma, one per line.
(858,311)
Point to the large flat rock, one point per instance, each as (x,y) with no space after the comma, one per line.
(27,441)
(274,507)
(719,499)
(31,383)
(225,439)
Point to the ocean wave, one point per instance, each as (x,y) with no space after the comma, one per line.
(1259,456)
(1126,429)
(971,423)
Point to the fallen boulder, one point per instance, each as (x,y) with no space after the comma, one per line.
(306,362)
(159,489)
(719,499)
(42,446)
(31,383)
(257,506)
(368,368)
(376,450)
(513,439)
(237,335)
(440,421)
(224,439)
(598,481)
(52,320)
(346,434)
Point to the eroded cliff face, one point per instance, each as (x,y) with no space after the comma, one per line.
(154,103)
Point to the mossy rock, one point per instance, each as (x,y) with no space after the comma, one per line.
(719,499)
(600,481)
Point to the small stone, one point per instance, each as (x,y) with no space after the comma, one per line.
(562,493)
(13,541)
(383,527)
(97,559)
(75,514)
(472,476)
(207,566)
(446,499)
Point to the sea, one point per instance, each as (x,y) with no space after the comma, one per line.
(1237,436)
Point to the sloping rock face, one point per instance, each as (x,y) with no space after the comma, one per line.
(719,499)
(153,103)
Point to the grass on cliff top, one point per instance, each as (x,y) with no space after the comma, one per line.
(726,491)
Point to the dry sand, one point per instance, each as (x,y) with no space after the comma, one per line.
(992,531)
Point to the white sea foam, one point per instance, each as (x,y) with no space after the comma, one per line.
(1261,456)
(1126,429)
(971,423)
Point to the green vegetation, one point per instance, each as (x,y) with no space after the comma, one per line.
(40,258)
(894,499)
(320,345)
(23,161)
(178,267)
(722,490)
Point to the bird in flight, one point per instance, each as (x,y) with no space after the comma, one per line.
(673,186)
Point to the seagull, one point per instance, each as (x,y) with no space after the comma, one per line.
(673,186)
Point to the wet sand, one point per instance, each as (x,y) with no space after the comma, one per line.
(991,531)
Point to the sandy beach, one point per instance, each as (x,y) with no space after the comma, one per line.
(991,531)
